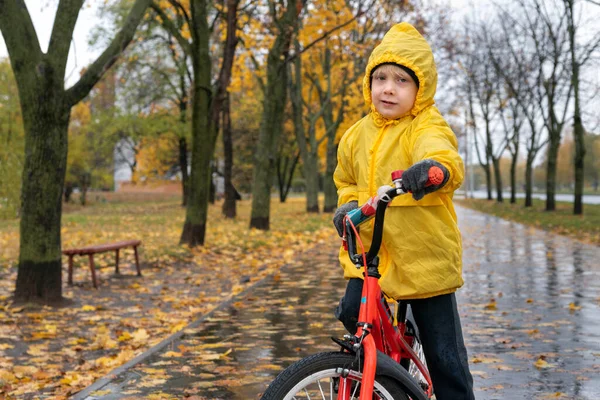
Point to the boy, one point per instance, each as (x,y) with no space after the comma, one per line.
(421,255)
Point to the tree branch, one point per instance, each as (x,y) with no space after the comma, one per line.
(109,56)
(324,36)
(19,34)
(62,32)
(171,28)
(184,13)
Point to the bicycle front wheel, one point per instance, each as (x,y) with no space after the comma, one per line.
(318,377)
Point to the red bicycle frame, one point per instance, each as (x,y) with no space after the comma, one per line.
(375,328)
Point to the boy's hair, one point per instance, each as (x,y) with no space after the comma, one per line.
(390,67)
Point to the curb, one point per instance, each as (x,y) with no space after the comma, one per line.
(85,394)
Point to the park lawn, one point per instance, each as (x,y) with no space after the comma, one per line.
(56,352)
(584,227)
(157,219)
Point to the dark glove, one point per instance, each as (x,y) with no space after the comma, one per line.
(415,178)
(340,213)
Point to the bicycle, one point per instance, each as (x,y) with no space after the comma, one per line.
(382,360)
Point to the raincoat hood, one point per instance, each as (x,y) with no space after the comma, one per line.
(404,45)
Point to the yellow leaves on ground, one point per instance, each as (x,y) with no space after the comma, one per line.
(210,356)
(573,307)
(555,395)
(140,336)
(172,354)
(101,392)
(114,361)
(178,327)
(486,359)
(541,363)
(37,349)
(491,305)
(65,349)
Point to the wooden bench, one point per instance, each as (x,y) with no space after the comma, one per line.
(91,250)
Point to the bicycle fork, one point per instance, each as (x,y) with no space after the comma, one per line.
(368,375)
(366,331)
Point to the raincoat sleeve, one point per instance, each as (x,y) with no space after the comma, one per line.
(344,176)
(434,139)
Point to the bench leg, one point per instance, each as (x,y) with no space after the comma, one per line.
(117,262)
(93,269)
(70,270)
(137,261)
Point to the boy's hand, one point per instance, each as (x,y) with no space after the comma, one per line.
(340,213)
(415,178)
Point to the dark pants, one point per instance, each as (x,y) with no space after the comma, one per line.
(441,335)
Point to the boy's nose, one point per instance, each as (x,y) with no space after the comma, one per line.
(388,88)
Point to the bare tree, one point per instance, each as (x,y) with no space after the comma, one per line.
(517,63)
(579,56)
(545,26)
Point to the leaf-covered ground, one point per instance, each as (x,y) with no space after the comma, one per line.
(54,352)
(529,311)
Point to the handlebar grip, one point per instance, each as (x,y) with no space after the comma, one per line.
(436,176)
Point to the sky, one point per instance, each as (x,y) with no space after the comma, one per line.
(42,14)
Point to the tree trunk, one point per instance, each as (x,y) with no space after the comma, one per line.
(206,112)
(46,108)
(551,172)
(183,166)
(528,181)
(229,205)
(513,178)
(579,132)
(579,162)
(488,180)
(46,121)
(272,120)
(311,176)
(329,188)
(308,148)
(68,192)
(203,141)
(285,175)
(498,179)
(183,147)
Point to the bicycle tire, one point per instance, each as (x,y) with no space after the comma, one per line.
(309,375)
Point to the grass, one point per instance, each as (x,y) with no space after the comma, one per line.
(584,227)
(158,219)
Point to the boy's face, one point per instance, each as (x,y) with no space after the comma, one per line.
(393,91)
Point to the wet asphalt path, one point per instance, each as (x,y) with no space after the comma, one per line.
(530,309)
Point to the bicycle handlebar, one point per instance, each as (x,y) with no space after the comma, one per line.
(376,206)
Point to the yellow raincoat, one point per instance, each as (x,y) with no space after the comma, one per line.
(421,254)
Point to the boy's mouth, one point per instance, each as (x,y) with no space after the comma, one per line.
(390,103)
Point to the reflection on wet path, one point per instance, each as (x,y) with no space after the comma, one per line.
(241,348)
(529,307)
